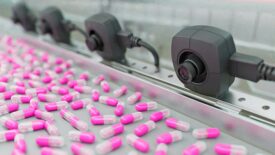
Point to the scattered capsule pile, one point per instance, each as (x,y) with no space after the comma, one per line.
(35,84)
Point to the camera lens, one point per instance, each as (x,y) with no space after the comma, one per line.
(187,71)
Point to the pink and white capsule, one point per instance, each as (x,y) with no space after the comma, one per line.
(39,114)
(83,89)
(5,109)
(138,143)
(6,95)
(136,97)
(160,115)
(8,135)
(54,106)
(35,91)
(162,149)
(145,128)
(92,110)
(59,90)
(230,149)
(79,149)
(79,82)
(111,131)
(95,95)
(195,149)
(3,87)
(50,151)
(18,89)
(177,124)
(47,97)
(49,141)
(120,91)
(146,106)
(65,79)
(108,100)
(21,99)
(70,97)
(80,104)
(109,145)
(131,118)
(31,126)
(73,120)
(169,137)
(35,84)
(105,86)
(51,129)
(8,123)
(103,120)
(97,80)
(85,76)
(20,143)
(22,114)
(119,110)
(83,137)
(34,103)
(206,133)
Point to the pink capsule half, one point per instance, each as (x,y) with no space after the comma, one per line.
(79,149)
(54,106)
(169,137)
(103,120)
(209,133)
(195,149)
(146,106)
(112,131)
(80,104)
(95,95)
(177,124)
(230,149)
(31,126)
(109,145)
(160,115)
(108,100)
(8,135)
(6,95)
(131,118)
(20,143)
(105,86)
(92,110)
(51,151)
(161,149)
(138,143)
(85,76)
(83,137)
(8,123)
(136,97)
(145,128)
(119,110)
(49,141)
(120,91)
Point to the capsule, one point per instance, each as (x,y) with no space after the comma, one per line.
(54,106)
(47,79)
(162,149)
(97,80)
(59,90)
(20,143)
(146,106)
(138,143)
(195,149)
(79,149)
(39,114)
(111,131)
(95,95)
(31,126)
(230,149)
(65,79)
(3,87)
(120,91)
(22,114)
(208,133)
(70,97)
(80,104)
(83,137)
(51,129)
(79,82)
(109,145)
(119,110)
(160,115)
(131,118)
(6,95)
(85,76)
(35,91)
(108,100)
(8,123)
(103,120)
(8,135)
(136,97)
(145,128)
(46,97)
(8,108)
(17,152)
(105,86)
(35,84)
(169,137)
(21,99)
(34,104)
(49,141)
(73,120)
(92,110)
(50,151)
(18,89)
(83,89)
(177,124)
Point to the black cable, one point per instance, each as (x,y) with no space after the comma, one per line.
(267,72)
